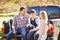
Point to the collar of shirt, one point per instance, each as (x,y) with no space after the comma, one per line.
(20,16)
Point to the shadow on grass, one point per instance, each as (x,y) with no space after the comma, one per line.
(0,33)
(0,38)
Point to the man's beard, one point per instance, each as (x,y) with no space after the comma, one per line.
(23,14)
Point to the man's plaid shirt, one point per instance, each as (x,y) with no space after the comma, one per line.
(20,23)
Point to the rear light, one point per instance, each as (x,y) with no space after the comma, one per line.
(43,6)
(51,30)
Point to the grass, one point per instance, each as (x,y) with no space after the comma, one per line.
(0,35)
(1,39)
(7,14)
(0,25)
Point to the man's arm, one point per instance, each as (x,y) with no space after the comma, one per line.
(14,25)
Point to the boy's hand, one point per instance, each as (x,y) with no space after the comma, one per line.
(31,25)
(31,30)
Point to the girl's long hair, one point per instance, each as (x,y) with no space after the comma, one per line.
(44,16)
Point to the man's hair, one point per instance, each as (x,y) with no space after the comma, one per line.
(22,8)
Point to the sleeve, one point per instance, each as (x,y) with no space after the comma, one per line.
(37,28)
(38,21)
(28,24)
(14,23)
(38,24)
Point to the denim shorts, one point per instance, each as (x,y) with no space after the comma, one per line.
(44,36)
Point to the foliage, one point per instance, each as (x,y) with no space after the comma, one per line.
(14,5)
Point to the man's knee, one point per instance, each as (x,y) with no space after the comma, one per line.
(24,34)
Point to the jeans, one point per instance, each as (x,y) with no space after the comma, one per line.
(23,32)
(36,36)
(32,36)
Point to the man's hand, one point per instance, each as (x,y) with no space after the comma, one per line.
(14,32)
(13,28)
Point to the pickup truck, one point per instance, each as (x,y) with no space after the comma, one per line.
(53,12)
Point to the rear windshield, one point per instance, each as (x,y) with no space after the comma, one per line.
(52,11)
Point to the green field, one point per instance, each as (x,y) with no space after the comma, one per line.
(0,35)
(6,17)
(0,25)
(8,14)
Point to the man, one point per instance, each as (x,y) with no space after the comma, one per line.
(19,24)
(34,21)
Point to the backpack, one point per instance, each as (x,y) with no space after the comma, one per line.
(6,28)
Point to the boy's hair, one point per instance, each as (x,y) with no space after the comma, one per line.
(31,12)
(22,8)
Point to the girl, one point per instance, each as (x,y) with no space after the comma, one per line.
(43,26)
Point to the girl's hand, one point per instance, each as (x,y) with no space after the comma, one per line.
(38,38)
